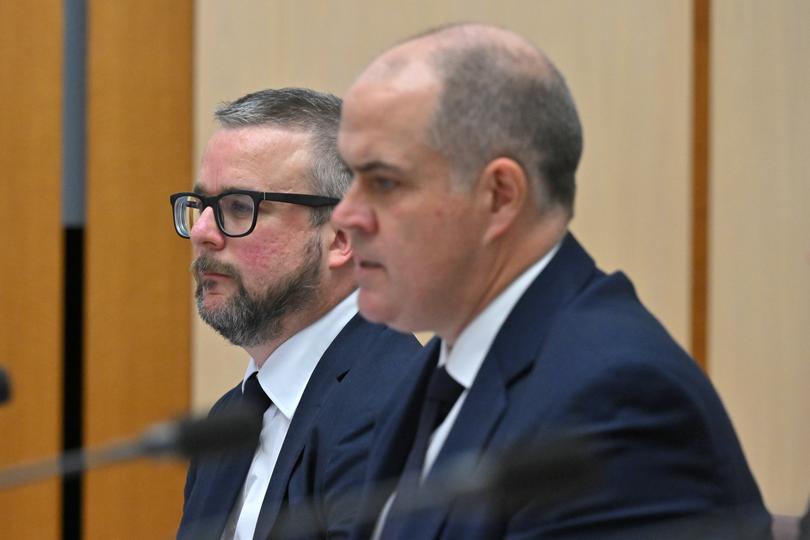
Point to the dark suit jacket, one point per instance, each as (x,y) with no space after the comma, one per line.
(804,526)
(579,355)
(325,450)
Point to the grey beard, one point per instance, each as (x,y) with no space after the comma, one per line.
(246,321)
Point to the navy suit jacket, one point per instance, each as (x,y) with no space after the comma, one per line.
(580,355)
(324,452)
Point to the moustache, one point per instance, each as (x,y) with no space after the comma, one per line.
(205,263)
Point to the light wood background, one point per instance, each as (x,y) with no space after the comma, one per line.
(31,269)
(759,346)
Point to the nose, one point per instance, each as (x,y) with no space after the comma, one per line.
(353,214)
(205,232)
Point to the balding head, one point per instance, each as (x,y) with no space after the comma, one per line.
(497,96)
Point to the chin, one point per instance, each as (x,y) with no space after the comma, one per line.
(214,302)
(387,313)
(373,309)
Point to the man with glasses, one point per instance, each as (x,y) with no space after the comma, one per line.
(274,277)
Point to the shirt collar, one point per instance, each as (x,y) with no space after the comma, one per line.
(472,345)
(285,373)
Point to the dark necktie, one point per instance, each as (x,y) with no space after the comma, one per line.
(442,393)
(254,397)
(228,474)
(255,400)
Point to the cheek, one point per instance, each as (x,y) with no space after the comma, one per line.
(259,261)
(259,253)
(417,249)
(448,246)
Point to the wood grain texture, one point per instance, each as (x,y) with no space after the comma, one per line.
(31,271)
(760,237)
(701,125)
(137,317)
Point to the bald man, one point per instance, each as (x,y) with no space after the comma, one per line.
(464,143)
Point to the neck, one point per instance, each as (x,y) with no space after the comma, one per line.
(508,258)
(296,322)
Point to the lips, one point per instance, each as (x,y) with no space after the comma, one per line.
(207,268)
(209,278)
(367,273)
(214,275)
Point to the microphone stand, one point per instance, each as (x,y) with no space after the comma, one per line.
(187,438)
(70,463)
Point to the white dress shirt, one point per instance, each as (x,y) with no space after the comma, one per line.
(283,377)
(464,360)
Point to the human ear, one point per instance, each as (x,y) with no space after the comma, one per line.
(506,188)
(339,252)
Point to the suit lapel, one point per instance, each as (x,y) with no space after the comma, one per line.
(479,416)
(510,358)
(217,486)
(331,368)
(515,348)
(395,438)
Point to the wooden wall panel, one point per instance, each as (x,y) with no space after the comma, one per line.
(760,237)
(137,314)
(700,144)
(31,269)
(627,62)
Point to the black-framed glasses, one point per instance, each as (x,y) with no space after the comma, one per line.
(235,211)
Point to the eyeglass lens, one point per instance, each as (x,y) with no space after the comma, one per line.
(235,211)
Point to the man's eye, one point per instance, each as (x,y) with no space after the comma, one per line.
(237,208)
(383,184)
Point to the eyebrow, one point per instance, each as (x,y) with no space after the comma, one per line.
(200,191)
(373,166)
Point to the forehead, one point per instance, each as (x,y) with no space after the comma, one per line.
(261,158)
(386,115)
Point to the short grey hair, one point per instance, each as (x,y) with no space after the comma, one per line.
(299,109)
(498,100)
